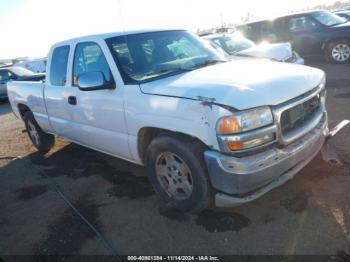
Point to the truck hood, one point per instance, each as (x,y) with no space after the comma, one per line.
(241,84)
(278,51)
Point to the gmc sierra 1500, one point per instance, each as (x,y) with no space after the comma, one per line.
(209,131)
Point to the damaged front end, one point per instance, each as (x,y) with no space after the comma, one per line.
(300,130)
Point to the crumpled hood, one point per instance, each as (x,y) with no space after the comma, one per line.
(242,84)
(278,51)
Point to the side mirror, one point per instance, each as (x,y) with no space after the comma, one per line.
(90,81)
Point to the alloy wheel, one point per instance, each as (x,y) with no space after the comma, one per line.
(341,52)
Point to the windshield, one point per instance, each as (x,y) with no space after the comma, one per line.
(148,56)
(19,71)
(233,44)
(328,19)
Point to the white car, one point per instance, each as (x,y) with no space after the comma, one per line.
(34,65)
(209,131)
(10,73)
(233,45)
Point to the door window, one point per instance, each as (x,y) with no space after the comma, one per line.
(58,71)
(89,57)
(301,23)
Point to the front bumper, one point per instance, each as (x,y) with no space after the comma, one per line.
(245,179)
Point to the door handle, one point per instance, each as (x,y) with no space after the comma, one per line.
(72,100)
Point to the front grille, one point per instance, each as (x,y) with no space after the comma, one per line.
(295,117)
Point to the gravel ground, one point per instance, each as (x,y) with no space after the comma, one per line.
(308,215)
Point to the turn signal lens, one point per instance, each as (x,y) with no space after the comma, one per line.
(235,145)
(234,142)
(229,125)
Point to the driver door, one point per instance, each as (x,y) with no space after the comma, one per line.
(97,116)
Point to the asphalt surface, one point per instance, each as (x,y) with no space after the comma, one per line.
(77,201)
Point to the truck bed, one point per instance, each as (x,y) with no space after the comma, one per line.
(36,77)
(30,94)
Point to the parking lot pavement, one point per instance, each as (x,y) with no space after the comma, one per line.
(308,215)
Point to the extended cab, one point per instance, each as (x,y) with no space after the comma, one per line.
(209,131)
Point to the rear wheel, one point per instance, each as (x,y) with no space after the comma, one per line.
(41,140)
(339,52)
(178,173)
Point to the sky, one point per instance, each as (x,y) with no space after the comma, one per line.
(30,27)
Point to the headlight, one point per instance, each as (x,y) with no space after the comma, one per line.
(243,121)
(232,130)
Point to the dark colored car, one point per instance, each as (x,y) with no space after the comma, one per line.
(344,14)
(16,73)
(312,34)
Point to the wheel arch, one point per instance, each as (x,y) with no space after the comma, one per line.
(147,134)
(328,42)
(23,109)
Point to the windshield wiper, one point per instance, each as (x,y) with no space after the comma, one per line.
(169,71)
(208,62)
(172,71)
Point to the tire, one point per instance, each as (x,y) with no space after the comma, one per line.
(193,190)
(338,52)
(41,140)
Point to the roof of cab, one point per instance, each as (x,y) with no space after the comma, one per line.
(113,34)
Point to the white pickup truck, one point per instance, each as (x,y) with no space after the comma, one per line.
(209,131)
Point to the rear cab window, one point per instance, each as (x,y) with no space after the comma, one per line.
(59,62)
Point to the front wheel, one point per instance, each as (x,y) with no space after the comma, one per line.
(41,140)
(178,173)
(339,52)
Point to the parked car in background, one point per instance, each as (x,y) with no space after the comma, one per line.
(344,14)
(311,33)
(233,45)
(209,131)
(35,65)
(16,73)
